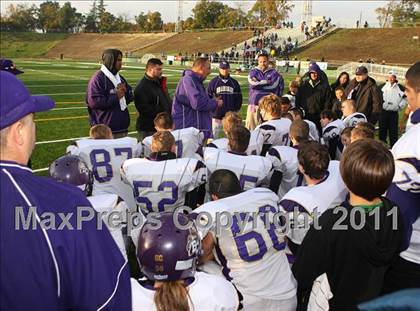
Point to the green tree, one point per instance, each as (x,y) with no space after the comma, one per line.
(68,17)
(91,21)
(399,13)
(270,12)
(106,22)
(154,20)
(206,13)
(48,16)
(21,17)
(141,21)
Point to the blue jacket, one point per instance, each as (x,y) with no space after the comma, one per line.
(62,269)
(104,105)
(264,83)
(192,107)
(229,90)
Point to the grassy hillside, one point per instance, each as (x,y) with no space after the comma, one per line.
(394,45)
(91,45)
(193,42)
(28,44)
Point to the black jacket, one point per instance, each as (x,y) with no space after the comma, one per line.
(150,97)
(355,261)
(313,99)
(368,98)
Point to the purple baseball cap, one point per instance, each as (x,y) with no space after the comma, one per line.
(16,101)
(224,64)
(7,65)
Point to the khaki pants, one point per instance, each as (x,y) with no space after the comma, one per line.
(253,117)
(120,135)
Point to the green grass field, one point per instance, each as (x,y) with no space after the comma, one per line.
(66,83)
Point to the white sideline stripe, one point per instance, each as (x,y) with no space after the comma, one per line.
(41,170)
(69,108)
(68,139)
(115,288)
(58,74)
(43,230)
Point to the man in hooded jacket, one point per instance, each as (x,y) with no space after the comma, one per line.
(314,95)
(108,94)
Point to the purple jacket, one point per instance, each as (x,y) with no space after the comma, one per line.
(65,268)
(104,105)
(192,107)
(268,82)
(229,90)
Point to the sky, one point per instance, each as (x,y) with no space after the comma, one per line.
(343,13)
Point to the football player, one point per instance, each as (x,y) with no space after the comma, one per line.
(231,120)
(250,250)
(298,114)
(350,116)
(252,170)
(104,157)
(187,140)
(168,257)
(162,182)
(285,161)
(324,189)
(331,131)
(275,129)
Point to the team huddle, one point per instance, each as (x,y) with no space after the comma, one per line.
(290,215)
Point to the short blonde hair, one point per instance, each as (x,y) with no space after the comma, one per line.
(271,104)
(162,142)
(100,131)
(230,120)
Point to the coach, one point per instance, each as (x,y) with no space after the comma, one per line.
(108,94)
(262,81)
(151,97)
(55,268)
(227,88)
(192,106)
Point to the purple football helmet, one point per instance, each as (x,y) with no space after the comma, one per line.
(169,253)
(72,170)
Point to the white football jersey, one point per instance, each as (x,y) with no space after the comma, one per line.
(206,292)
(161,185)
(285,160)
(187,142)
(251,170)
(313,130)
(309,200)
(276,132)
(331,135)
(353,119)
(256,142)
(406,153)
(104,158)
(254,258)
(105,204)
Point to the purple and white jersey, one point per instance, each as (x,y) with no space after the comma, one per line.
(187,142)
(104,204)
(285,160)
(256,142)
(313,130)
(405,188)
(104,158)
(328,193)
(206,292)
(276,132)
(251,170)
(353,119)
(253,258)
(331,137)
(262,83)
(161,185)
